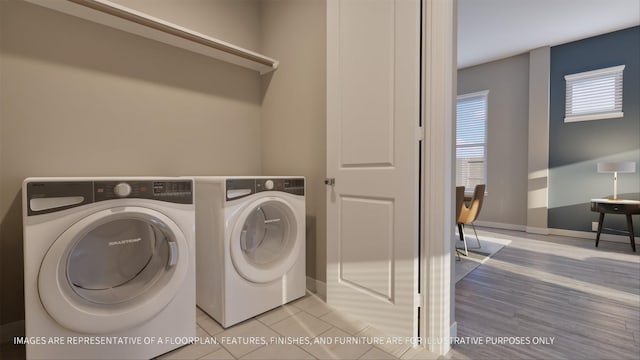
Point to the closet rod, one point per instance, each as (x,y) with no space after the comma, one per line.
(123,14)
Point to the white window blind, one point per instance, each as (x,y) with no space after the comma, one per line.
(594,95)
(471,140)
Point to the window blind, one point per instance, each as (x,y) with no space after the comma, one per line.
(471,144)
(594,95)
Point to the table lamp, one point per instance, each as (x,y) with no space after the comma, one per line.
(615,168)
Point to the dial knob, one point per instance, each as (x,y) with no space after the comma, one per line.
(122,190)
(268,184)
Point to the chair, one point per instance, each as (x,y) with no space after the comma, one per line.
(459,205)
(469,214)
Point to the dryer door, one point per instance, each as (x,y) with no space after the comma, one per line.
(113,270)
(265,241)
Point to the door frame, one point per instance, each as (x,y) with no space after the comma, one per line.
(439,29)
(438,87)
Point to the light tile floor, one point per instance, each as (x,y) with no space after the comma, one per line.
(307,317)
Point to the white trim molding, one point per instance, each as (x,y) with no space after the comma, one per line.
(612,115)
(317,287)
(591,235)
(438,104)
(537,230)
(560,232)
(598,72)
(504,226)
(473,94)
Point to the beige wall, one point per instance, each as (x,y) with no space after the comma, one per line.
(234,21)
(77,98)
(507,135)
(294,108)
(538,157)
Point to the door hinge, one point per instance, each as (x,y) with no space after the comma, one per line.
(419,299)
(330,181)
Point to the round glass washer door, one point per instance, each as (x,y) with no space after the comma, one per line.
(263,241)
(113,270)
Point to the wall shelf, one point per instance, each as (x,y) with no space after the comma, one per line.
(132,21)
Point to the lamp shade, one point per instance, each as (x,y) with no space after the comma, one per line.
(620,166)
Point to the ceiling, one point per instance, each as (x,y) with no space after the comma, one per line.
(495,29)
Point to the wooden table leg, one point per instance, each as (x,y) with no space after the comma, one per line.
(630,229)
(599,228)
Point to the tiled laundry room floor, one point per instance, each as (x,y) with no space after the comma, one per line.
(309,317)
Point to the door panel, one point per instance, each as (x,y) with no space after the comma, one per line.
(373,113)
(367,68)
(371,270)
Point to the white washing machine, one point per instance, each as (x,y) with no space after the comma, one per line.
(109,267)
(250,240)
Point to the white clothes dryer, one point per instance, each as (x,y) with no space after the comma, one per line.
(109,267)
(250,241)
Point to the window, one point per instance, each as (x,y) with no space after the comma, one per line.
(471,140)
(594,95)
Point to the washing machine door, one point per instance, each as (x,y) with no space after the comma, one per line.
(265,242)
(113,270)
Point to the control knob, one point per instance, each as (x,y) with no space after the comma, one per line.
(122,190)
(268,184)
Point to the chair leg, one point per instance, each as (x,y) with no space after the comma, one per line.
(475,232)
(464,240)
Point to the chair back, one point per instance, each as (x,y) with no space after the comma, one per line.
(470,214)
(459,201)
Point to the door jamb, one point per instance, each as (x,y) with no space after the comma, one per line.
(439,19)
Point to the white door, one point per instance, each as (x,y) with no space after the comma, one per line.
(373,132)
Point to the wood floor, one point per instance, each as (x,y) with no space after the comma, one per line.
(542,287)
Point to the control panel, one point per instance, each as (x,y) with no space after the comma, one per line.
(239,188)
(293,186)
(51,196)
(176,191)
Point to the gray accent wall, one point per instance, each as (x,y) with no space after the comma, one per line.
(507,135)
(576,148)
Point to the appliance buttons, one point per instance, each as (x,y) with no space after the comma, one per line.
(122,190)
(268,184)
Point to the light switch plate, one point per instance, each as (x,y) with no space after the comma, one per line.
(594,226)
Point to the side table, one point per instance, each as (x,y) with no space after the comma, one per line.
(625,207)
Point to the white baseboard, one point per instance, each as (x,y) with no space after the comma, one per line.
(453,332)
(501,225)
(590,235)
(537,230)
(317,286)
(9,330)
